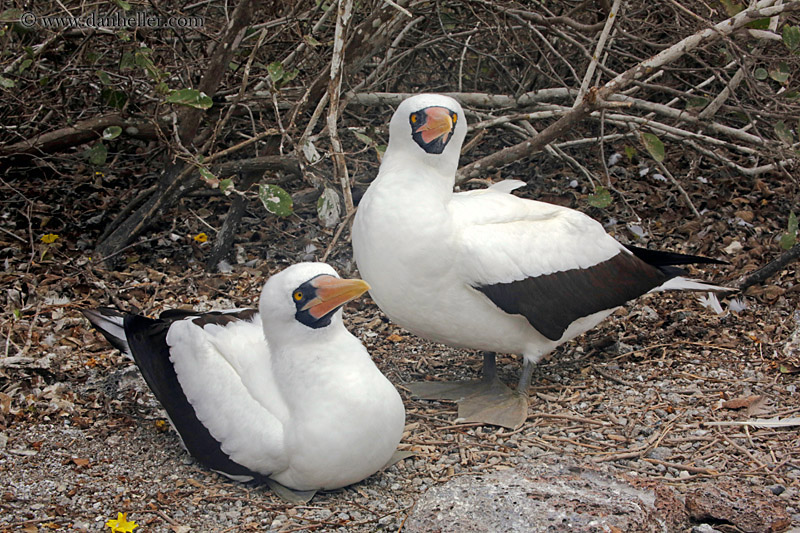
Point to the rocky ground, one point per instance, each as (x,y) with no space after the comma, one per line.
(645,408)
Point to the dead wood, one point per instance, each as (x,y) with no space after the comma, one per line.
(176,177)
(595,99)
(770,269)
(225,237)
(82,132)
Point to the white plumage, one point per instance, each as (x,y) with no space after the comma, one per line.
(286,393)
(486,269)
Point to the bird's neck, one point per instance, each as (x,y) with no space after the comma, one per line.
(434,181)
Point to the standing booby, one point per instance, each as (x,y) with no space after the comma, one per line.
(485,269)
(284,394)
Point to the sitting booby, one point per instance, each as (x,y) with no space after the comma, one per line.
(280,394)
(485,269)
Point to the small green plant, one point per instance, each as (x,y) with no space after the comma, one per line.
(601,198)
(280,76)
(789,238)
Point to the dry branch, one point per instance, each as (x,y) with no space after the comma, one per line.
(547,21)
(334,90)
(595,98)
(601,42)
(275,163)
(493,101)
(770,269)
(81,132)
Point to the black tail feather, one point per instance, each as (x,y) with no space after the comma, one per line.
(109,322)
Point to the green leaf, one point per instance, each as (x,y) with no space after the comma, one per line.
(111,132)
(601,198)
(190,98)
(696,102)
(363,138)
(127,61)
(787,241)
(789,369)
(163,88)
(760,74)
(630,152)
(105,79)
(226,186)
(731,7)
(289,76)
(278,75)
(208,175)
(275,200)
(789,238)
(328,208)
(113,98)
(275,71)
(24,65)
(784,133)
(781,73)
(11,14)
(97,154)
(311,40)
(6,83)
(791,37)
(654,146)
(125,6)
(759,24)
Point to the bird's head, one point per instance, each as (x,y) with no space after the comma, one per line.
(430,128)
(306,296)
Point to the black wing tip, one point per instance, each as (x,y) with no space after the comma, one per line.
(661,258)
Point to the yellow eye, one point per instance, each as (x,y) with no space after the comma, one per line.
(414,118)
(455,118)
(298,295)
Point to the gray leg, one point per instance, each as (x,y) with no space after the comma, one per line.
(489,372)
(525,377)
(488,400)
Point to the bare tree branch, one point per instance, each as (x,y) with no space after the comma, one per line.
(770,269)
(595,98)
(334,89)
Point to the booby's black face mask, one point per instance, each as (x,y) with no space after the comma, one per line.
(319,298)
(432,128)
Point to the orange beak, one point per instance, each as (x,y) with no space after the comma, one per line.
(332,293)
(439,123)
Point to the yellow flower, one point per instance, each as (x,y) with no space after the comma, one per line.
(121,524)
(201,237)
(50,238)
